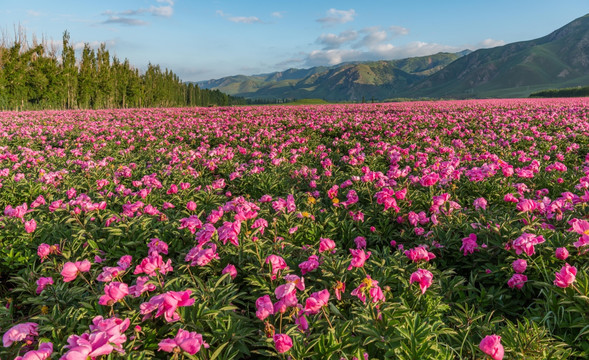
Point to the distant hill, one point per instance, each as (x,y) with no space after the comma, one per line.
(348,81)
(557,60)
(560,59)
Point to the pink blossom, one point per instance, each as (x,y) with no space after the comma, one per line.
(429,180)
(423,277)
(316,301)
(264,307)
(158,245)
(480,203)
(44,352)
(282,342)
(20,332)
(369,287)
(230,231)
(166,304)
(525,243)
(191,206)
(491,345)
(293,283)
(30,226)
(230,269)
(561,253)
(311,264)
(42,283)
(141,286)
(566,276)
(419,253)
(154,262)
(187,341)
(326,244)
(359,257)
(519,266)
(517,281)
(360,242)
(71,270)
(113,292)
(201,256)
(277,263)
(469,244)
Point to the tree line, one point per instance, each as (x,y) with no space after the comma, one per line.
(34,76)
(566,92)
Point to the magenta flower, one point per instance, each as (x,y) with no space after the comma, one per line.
(316,301)
(231,270)
(30,226)
(423,277)
(525,243)
(71,270)
(187,341)
(282,342)
(277,263)
(191,206)
(360,242)
(469,244)
(359,257)
(368,286)
(158,245)
(311,264)
(44,250)
(264,307)
(517,281)
(230,231)
(293,283)
(561,253)
(491,345)
(166,304)
(419,253)
(566,276)
(480,203)
(20,332)
(326,244)
(153,263)
(141,286)
(429,180)
(44,352)
(113,292)
(519,266)
(42,283)
(201,256)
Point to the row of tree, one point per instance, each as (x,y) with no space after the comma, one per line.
(33,76)
(566,92)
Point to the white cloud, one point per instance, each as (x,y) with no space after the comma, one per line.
(335,16)
(489,43)
(398,30)
(129,17)
(244,19)
(333,41)
(278,14)
(240,19)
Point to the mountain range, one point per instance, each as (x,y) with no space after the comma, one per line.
(557,60)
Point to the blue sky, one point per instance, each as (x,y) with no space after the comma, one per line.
(201,40)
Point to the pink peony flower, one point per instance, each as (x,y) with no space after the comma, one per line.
(311,264)
(231,270)
(491,345)
(141,286)
(326,244)
(561,253)
(517,281)
(71,270)
(317,300)
(566,276)
(282,342)
(30,226)
(229,231)
(264,307)
(187,341)
(166,304)
(525,243)
(276,264)
(370,287)
(44,352)
(360,242)
(293,283)
(43,282)
(480,203)
(19,332)
(519,266)
(191,206)
(154,262)
(113,292)
(469,244)
(158,245)
(359,257)
(423,277)
(419,253)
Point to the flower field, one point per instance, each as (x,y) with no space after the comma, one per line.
(439,230)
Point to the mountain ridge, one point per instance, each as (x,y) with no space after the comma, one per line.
(559,59)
